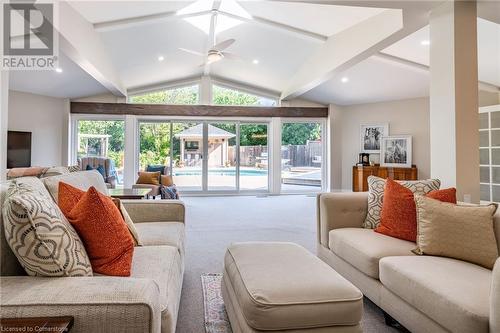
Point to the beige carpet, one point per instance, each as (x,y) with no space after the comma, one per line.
(214,222)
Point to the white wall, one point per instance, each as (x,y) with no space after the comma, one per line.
(404,117)
(298,102)
(47,119)
(103,98)
(487,98)
(4,115)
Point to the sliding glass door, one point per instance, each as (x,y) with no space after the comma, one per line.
(222,156)
(188,155)
(254,157)
(302,158)
(206,156)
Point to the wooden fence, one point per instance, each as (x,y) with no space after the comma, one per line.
(308,155)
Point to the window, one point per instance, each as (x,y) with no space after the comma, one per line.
(489,154)
(301,157)
(103,138)
(181,95)
(226,96)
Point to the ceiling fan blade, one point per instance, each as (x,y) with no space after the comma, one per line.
(192,52)
(223,45)
(232,56)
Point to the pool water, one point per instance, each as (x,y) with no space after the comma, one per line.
(220,172)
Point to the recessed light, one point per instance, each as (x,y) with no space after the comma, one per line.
(161,58)
(344,79)
(59,70)
(425,42)
(255,61)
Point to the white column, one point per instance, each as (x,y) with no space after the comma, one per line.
(334,155)
(4,118)
(66,135)
(274,156)
(454,97)
(205,90)
(131,154)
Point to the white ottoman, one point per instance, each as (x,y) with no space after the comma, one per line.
(281,287)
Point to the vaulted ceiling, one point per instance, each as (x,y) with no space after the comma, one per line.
(300,49)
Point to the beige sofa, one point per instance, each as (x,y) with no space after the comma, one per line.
(147,301)
(423,293)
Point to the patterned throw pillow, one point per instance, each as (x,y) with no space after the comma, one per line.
(376,187)
(40,236)
(169,192)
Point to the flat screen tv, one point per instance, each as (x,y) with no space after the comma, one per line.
(18,149)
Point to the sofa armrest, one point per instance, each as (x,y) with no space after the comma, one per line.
(155,210)
(495,298)
(340,210)
(98,304)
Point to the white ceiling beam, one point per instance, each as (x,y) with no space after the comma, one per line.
(421,67)
(82,44)
(147,19)
(141,20)
(390,4)
(352,46)
(280,26)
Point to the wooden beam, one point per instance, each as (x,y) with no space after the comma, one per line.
(196,110)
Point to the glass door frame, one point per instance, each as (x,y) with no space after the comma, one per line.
(206,121)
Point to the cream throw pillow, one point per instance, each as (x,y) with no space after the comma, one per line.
(376,186)
(460,232)
(128,221)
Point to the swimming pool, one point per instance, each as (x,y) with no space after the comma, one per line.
(220,172)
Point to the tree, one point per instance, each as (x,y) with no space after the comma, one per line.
(184,95)
(114,128)
(299,133)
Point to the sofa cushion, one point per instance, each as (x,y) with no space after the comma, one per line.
(39,235)
(363,248)
(281,286)
(163,265)
(82,180)
(454,293)
(162,233)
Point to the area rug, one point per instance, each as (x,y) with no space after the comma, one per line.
(216,320)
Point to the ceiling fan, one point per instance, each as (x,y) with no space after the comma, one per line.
(215,53)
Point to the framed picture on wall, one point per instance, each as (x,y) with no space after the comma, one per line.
(396,151)
(370,135)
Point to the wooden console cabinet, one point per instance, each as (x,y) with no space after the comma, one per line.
(360,175)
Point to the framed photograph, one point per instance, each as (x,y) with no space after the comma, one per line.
(370,136)
(396,151)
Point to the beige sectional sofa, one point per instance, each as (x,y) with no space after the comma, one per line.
(147,301)
(423,293)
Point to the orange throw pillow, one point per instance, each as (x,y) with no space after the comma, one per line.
(68,197)
(445,195)
(102,229)
(399,213)
(152,178)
